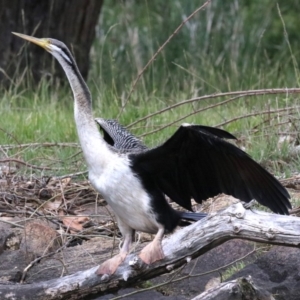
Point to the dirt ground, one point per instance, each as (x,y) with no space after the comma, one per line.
(50,228)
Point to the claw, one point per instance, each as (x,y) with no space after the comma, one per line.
(111,265)
(152,252)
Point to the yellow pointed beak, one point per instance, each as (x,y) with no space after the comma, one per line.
(44,43)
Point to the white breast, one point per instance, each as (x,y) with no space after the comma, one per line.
(124,192)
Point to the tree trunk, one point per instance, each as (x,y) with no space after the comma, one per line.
(71,21)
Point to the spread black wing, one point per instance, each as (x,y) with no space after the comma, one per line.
(197,163)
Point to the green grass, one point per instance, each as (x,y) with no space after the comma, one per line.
(199,60)
(233,269)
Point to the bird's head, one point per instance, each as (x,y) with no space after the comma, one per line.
(57,48)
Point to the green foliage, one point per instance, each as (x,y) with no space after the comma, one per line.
(233,269)
(225,47)
(231,45)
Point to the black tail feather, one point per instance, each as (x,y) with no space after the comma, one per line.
(190,217)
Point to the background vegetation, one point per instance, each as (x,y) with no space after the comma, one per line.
(232,45)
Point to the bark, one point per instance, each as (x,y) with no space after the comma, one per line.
(179,248)
(238,289)
(71,21)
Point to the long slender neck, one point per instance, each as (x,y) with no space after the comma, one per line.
(95,150)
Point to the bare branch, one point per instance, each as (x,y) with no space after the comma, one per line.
(71,175)
(30,145)
(290,110)
(8,160)
(235,95)
(241,288)
(190,275)
(184,245)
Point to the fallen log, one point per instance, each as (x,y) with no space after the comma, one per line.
(238,289)
(180,248)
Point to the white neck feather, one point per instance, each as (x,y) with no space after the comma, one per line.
(95,150)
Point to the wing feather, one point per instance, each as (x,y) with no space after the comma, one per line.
(196,162)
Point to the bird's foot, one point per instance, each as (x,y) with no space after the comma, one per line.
(152,252)
(111,265)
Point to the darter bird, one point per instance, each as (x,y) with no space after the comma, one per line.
(195,162)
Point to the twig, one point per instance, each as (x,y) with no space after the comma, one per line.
(190,275)
(10,135)
(194,112)
(26,269)
(240,94)
(2,150)
(159,50)
(152,287)
(71,175)
(257,114)
(11,223)
(8,147)
(223,123)
(49,218)
(26,164)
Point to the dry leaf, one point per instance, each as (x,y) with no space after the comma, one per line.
(53,205)
(65,181)
(74,223)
